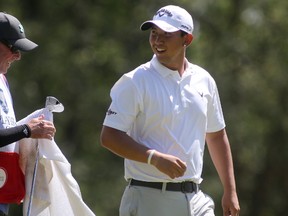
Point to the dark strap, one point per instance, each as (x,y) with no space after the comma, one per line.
(185,187)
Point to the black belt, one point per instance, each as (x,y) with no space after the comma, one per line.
(185,187)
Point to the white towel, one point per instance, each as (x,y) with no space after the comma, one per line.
(56,191)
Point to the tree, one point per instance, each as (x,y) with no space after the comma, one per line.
(85,46)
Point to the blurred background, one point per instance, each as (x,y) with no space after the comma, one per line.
(86,45)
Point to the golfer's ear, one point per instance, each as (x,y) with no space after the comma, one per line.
(188,39)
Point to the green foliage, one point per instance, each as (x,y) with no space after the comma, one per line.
(85,46)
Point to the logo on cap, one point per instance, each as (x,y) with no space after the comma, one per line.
(162,12)
(21,28)
(186,27)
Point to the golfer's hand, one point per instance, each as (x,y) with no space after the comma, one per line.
(168,164)
(230,204)
(41,129)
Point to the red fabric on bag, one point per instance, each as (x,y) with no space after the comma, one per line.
(12,181)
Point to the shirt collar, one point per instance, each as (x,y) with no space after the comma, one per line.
(164,71)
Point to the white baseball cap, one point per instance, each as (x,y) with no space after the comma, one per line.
(171,18)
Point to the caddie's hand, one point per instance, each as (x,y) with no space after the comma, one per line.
(168,164)
(41,129)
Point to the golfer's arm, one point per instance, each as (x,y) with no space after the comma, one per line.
(123,145)
(219,149)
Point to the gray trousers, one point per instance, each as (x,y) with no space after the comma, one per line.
(143,201)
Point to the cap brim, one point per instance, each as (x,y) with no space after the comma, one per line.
(159,23)
(24,44)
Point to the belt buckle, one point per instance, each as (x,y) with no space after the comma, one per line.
(189,187)
(186,187)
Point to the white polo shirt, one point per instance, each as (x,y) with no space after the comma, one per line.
(166,112)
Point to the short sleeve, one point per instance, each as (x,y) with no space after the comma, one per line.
(125,105)
(215,118)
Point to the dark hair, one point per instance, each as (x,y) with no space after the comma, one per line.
(11,47)
(183,33)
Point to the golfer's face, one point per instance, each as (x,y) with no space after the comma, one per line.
(167,46)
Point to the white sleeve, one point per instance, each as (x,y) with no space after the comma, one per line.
(125,104)
(215,118)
